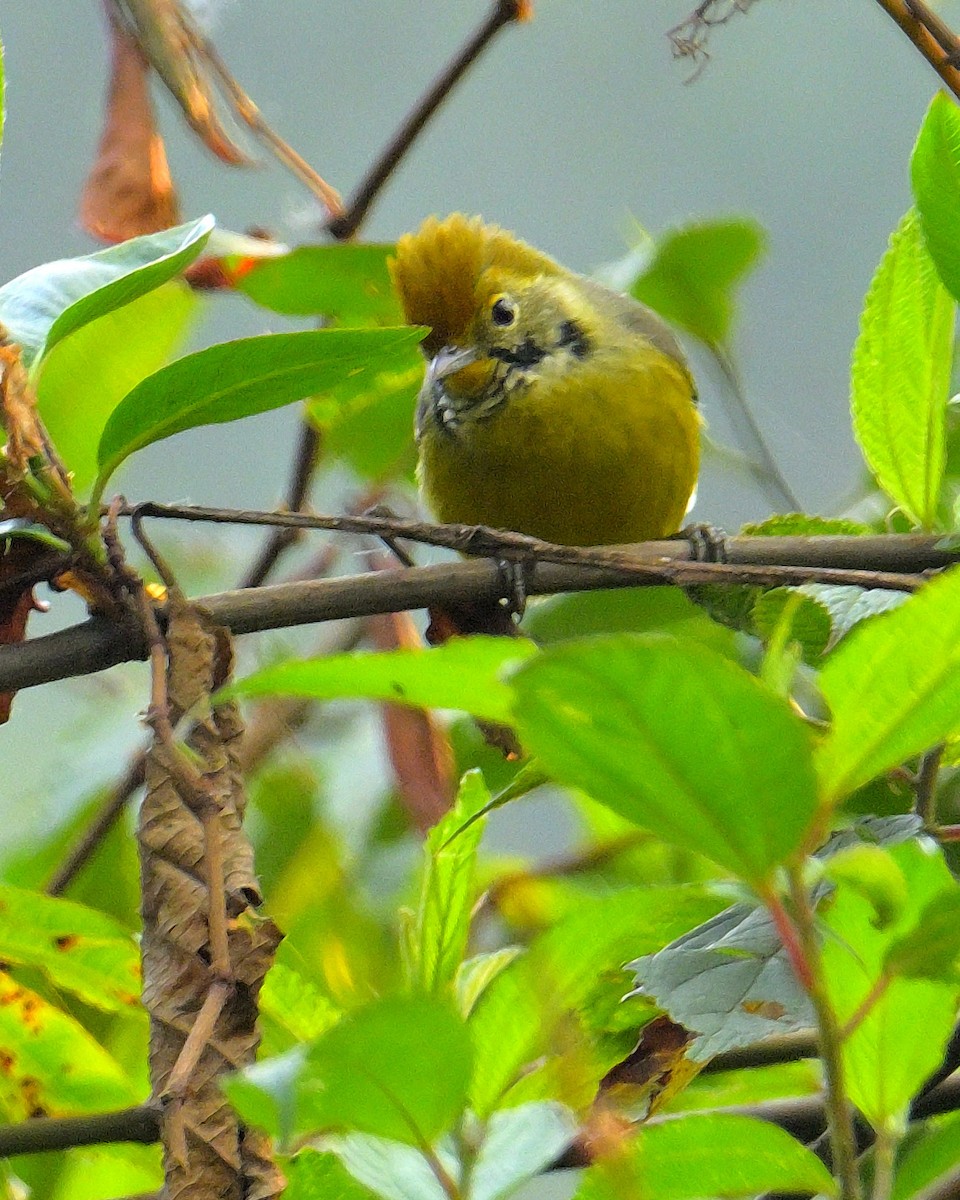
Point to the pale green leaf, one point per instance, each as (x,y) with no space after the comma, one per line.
(893,687)
(42,306)
(464,673)
(900,374)
(935,175)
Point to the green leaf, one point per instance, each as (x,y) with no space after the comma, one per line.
(239,378)
(347,282)
(900,375)
(87,375)
(883,1069)
(292,1010)
(931,949)
(512,1021)
(517,1144)
(806,620)
(893,688)
(476,974)
(42,306)
(686,1158)
(320,1175)
(77,948)
(398,1068)
(20,527)
(446,892)
(730,978)
(464,673)
(935,174)
(367,422)
(804,525)
(52,1065)
(930,1152)
(624,717)
(695,272)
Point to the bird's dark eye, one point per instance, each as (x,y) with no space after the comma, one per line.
(503,312)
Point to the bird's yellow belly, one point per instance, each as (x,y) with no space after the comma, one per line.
(585,461)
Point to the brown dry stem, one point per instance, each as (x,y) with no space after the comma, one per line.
(206,948)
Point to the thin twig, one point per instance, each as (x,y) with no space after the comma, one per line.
(503,13)
(925,803)
(103,821)
(938,44)
(843,1143)
(282,538)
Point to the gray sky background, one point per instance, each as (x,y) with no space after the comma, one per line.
(568,129)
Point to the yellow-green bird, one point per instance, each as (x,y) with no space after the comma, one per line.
(551,405)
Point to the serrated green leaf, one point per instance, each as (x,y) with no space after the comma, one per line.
(52,1065)
(239,378)
(44,305)
(804,525)
(618,717)
(398,1068)
(900,374)
(464,673)
(935,175)
(893,688)
(79,949)
(796,616)
(87,375)
(446,892)
(349,283)
(883,1069)
(695,272)
(873,874)
(687,1158)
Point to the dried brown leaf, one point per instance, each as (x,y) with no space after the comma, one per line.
(128,191)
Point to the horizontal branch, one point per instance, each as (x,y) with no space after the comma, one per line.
(882,561)
(139,1124)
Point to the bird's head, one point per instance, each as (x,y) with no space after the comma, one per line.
(500,313)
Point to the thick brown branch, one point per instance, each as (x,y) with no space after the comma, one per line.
(768,562)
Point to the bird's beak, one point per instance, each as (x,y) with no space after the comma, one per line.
(447,361)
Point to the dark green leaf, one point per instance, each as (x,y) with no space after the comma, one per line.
(20,527)
(900,375)
(935,174)
(893,687)
(695,272)
(48,302)
(625,718)
(349,283)
(237,379)
(930,1152)
(464,673)
(806,620)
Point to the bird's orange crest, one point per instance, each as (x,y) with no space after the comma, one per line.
(437,271)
